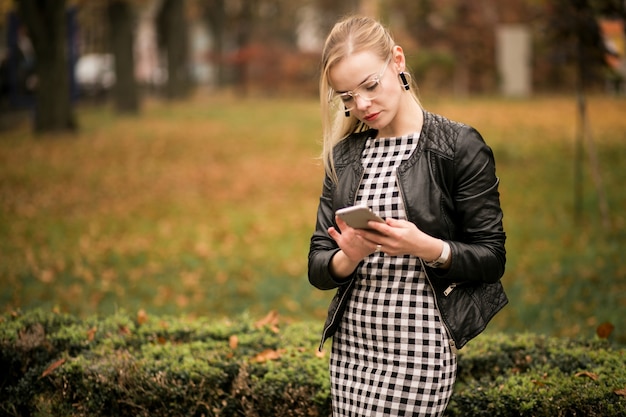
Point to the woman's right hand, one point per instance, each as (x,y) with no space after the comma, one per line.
(354,248)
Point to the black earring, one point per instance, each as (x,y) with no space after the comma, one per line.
(347,113)
(405,83)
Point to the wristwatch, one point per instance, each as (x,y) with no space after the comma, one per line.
(443,258)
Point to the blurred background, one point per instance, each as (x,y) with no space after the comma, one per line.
(161,155)
(271,47)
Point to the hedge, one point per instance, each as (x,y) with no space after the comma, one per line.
(125,365)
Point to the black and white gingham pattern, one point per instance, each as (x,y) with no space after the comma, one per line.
(390,356)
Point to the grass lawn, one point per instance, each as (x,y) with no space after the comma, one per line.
(205,208)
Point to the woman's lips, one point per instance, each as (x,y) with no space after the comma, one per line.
(371,116)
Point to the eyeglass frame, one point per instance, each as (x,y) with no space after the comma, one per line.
(353,93)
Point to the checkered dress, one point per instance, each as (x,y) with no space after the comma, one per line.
(390,355)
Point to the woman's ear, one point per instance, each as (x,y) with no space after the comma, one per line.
(398,58)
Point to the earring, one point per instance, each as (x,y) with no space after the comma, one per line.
(347,113)
(405,83)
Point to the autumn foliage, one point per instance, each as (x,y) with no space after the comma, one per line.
(206,208)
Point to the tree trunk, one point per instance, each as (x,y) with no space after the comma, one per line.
(243,34)
(45,22)
(215,16)
(173,37)
(122,24)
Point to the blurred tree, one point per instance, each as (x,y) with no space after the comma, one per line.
(331,10)
(253,39)
(574,32)
(457,34)
(122,24)
(243,24)
(611,9)
(174,40)
(574,38)
(214,14)
(45,22)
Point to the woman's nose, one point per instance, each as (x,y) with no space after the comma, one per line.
(362,103)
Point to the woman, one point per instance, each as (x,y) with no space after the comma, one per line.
(413,289)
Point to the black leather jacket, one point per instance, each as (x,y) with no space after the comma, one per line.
(450,191)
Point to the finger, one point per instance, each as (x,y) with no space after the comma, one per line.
(372,237)
(332,232)
(377,228)
(342,225)
(393,222)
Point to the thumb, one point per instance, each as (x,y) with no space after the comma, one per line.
(333,233)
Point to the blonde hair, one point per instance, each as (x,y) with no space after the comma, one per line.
(349,36)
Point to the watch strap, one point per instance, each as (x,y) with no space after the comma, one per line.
(443,258)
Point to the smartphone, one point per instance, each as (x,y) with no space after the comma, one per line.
(358,216)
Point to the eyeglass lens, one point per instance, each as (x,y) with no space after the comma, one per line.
(368,91)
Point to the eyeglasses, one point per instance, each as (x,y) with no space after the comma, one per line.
(368,90)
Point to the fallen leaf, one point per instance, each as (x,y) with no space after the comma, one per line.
(124,330)
(47,276)
(182,300)
(604,330)
(587,373)
(621,392)
(233,341)
(161,340)
(91,333)
(268,355)
(142,317)
(270,320)
(52,367)
(541,383)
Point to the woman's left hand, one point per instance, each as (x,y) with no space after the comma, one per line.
(401,237)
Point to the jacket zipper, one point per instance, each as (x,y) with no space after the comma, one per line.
(449,289)
(446,292)
(332,321)
(356,190)
(451,342)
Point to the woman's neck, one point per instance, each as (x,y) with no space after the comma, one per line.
(409,119)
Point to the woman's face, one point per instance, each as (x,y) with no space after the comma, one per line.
(368,86)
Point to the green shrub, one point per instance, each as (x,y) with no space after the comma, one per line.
(531,375)
(56,364)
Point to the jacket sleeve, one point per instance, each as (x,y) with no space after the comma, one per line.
(478,251)
(322,246)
